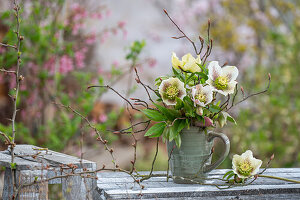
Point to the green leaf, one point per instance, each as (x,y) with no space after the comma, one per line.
(179,104)
(222,120)
(203,68)
(188,100)
(156,130)
(190,77)
(154,115)
(178,125)
(227,173)
(171,114)
(214,108)
(166,133)
(223,117)
(229,176)
(231,119)
(188,107)
(13,165)
(178,74)
(178,140)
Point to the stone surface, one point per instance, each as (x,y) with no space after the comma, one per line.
(120,186)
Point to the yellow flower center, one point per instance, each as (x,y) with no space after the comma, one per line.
(245,168)
(172,92)
(221,82)
(201,97)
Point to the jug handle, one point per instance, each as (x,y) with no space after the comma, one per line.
(225,140)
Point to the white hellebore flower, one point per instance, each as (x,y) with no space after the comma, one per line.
(245,165)
(222,79)
(188,63)
(171,88)
(202,96)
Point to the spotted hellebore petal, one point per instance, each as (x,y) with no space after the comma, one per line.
(188,63)
(171,88)
(202,96)
(245,165)
(223,80)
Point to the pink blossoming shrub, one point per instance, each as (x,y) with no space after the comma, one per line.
(54,56)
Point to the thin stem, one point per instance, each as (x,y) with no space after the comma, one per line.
(15,97)
(254,94)
(169,162)
(8,46)
(132,126)
(107,86)
(7,71)
(146,87)
(153,162)
(184,35)
(279,178)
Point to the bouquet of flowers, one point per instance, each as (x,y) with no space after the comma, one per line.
(189,97)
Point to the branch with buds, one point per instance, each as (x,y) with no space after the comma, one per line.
(202,41)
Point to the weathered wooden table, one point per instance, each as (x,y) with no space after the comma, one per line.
(34,164)
(119,185)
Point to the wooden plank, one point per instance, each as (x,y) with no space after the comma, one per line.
(163,179)
(237,197)
(117,185)
(79,188)
(214,172)
(38,191)
(202,191)
(31,162)
(22,164)
(53,158)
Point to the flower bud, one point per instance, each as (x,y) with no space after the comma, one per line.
(21,78)
(208,121)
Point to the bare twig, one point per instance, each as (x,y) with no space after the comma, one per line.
(8,46)
(254,94)
(146,87)
(7,71)
(132,126)
(18,79)
(268,164)
(134,143)
(208,51)
(184,35)
(233,99)
(104,142)
(169,162)
(107,86)
(7,140)
(202,44)
(140,101)
(153,162)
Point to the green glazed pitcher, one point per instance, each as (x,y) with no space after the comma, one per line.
(192,161)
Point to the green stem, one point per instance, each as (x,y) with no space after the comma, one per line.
(279,178)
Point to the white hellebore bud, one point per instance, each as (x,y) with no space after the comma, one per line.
(188,63)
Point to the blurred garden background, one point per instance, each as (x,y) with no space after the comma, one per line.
(69,45)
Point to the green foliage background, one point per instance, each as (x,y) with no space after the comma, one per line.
(269,123)
(266,124)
